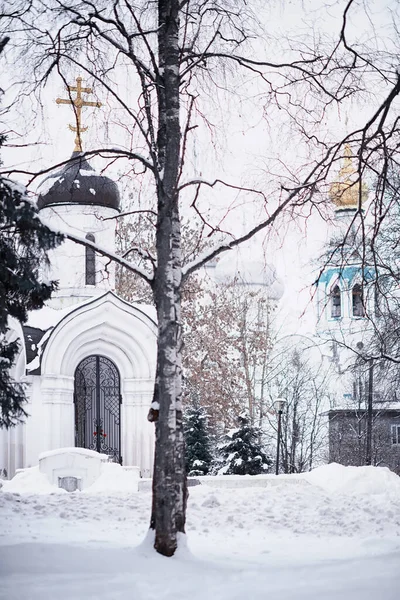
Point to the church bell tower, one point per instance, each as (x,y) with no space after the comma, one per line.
(342,294)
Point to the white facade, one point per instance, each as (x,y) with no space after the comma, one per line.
(83,320)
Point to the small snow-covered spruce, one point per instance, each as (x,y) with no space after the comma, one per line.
(198,457)
(24,243)
(241,452)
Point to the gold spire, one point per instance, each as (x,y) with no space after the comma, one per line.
(78,103)
(345,193)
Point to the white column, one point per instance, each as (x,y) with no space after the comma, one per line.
(57,394)
(137,433)
(12,443)
(11,450)
(6,461)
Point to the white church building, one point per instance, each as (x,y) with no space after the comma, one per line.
(88,357)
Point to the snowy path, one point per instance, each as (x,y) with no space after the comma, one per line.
(286,542)
(47,571)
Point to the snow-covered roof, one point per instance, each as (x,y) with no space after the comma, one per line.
(37,331)
(77,183)
(377,406)
(47,317)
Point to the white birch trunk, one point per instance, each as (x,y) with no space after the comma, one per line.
(169,480)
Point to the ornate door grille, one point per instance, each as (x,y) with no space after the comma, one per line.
(98,406)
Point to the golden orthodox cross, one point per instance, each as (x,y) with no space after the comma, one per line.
(78,103)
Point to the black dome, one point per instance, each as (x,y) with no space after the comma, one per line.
(78,183)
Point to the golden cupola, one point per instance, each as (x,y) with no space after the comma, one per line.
(347,192)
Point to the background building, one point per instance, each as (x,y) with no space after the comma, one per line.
(363,406)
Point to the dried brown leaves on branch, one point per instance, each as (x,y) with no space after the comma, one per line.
(228,340)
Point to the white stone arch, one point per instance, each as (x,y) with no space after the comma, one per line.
(336,279)
(126,335)
(106,325)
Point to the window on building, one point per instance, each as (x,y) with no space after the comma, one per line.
(336,303)
(358,301)
(395,434)
(90,266)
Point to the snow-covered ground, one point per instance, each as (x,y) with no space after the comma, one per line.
(331,534)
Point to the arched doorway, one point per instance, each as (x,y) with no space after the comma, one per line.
(97,399)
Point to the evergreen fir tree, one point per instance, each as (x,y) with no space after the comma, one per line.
(24,242)
(198,454)
(241,452)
